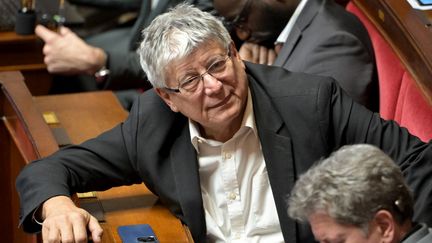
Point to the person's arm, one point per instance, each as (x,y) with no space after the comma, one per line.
(98,164)
(351,123)
(343,57)
(125,71)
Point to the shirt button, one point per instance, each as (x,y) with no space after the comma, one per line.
(232,196)
(200,140)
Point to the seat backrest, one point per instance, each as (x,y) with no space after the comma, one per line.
(24,136)
(400,98)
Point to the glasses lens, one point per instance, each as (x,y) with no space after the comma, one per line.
(189,85)
(216,70)
(217,67)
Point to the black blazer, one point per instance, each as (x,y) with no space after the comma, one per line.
(329,41)
(298,123)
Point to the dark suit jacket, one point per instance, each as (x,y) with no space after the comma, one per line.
(300,118)
(328,41)
(423,234)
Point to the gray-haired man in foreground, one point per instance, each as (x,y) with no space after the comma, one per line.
(357,195)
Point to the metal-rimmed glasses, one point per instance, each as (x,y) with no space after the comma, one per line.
(191,84)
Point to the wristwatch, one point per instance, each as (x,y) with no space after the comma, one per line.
(102,74)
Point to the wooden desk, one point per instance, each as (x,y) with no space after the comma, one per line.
(24,53)
(86,115)
(24,137)
(409,31)
(83,115)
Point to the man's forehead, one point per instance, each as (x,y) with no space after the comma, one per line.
(203,49)
(198,56)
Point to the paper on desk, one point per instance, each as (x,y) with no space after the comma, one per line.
(414,4)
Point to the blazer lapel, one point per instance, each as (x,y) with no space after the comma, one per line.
(185,171)
(288,47)
(145,17)
(160,8)
(303,21)
(135,31)
(277,150)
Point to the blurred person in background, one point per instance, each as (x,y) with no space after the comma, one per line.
(311,36)
(107,60)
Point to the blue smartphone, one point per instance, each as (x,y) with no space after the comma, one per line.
(425,2)
(137,233)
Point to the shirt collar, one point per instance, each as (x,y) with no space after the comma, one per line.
(285,32)
(248,121)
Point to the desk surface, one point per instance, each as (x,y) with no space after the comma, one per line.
(86,115)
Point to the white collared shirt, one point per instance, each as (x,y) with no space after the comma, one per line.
(238,201)
(154,3)
(287,30)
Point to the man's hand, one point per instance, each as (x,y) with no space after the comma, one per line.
(64,222)
(257,54)
(66,53)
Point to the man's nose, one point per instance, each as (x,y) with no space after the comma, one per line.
(242,34)
(211,84)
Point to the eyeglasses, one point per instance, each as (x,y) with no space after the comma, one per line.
(190,85)
(240,20)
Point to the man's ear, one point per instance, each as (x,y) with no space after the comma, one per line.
(166,97)
(387,225)
(235,54)
(233,50)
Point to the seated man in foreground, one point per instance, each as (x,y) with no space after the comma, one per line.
(358,194)
(218,140)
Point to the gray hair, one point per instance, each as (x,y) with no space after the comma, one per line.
(174,35)
(351,186)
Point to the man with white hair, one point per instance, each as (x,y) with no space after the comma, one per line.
(218,140)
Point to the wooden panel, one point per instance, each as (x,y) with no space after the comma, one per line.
(38,81)
(20,111)
(409,33)
(24,136)
(24,53)
(20,52)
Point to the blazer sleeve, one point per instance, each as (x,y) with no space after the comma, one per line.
(97,164)
(125,71)
(343,57)
(351,123)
